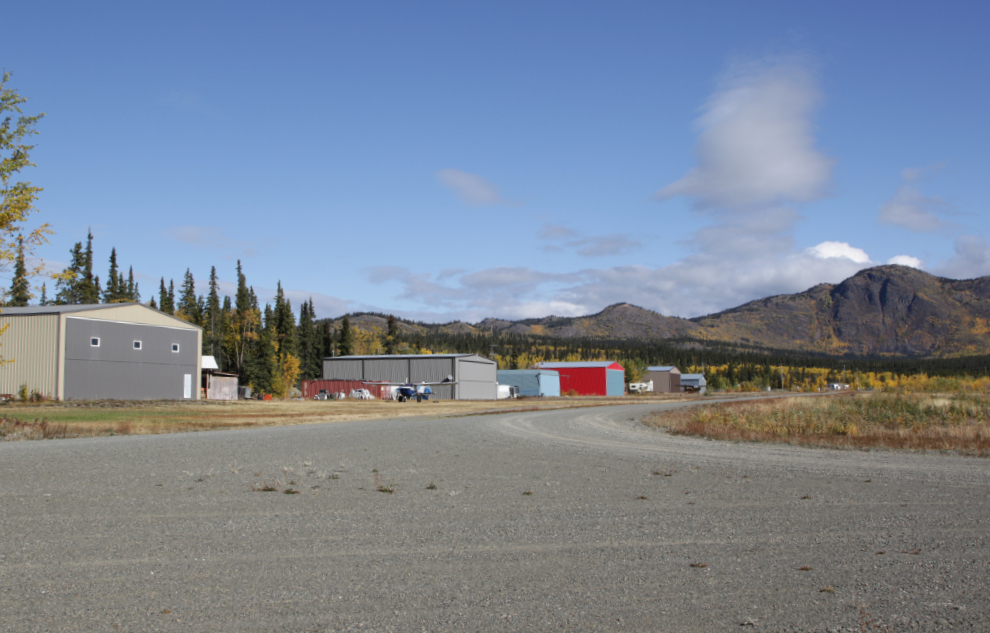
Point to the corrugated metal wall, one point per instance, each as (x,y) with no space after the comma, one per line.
(550,384)
(532,382)
(616,382)
(343,369)
(312,387)
(117,371)
(32,343)
(476,378)
(586,381)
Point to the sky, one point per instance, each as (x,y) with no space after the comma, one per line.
(455,161)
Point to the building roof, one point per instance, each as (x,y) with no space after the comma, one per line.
(398,356)
(602,363)
(664,368)
(528,372)
(87,307)
(690,377)
(210,363)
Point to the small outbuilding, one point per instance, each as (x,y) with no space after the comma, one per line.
(693,383)
(666,379)
(217,385)
(473,377)
(532,382)
(120,351)
(593,378)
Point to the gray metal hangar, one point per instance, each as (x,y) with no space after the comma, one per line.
(122,351)
(474,375)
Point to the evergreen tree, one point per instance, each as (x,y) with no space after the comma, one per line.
(20,289)
(345,345)
(68,286)
(189,306)
(391,335)
(285,325)
(309,347)
(44,296)
(223,340)
(171,296)
(328,347)
(211,316)
(133,294)
(162,296)
(152,304)
(88,290)
(113,294)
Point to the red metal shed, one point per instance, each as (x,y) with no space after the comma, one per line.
(593,378)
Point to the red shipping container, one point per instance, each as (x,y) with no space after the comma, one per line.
(311,388)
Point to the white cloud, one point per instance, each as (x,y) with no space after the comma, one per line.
(912,210)
(471,189)
(907,260)
(756,145)
(831,250)
(592,246)
(971,259)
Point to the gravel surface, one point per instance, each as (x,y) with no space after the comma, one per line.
(578,520)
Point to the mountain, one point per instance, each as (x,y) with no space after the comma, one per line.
(883,311)
(887,310)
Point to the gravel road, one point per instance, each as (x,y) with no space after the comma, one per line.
(574,520)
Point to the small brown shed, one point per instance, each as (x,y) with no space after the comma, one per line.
(666,379)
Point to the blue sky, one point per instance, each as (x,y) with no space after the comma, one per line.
(444,161)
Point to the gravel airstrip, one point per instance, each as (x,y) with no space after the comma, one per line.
(573,520)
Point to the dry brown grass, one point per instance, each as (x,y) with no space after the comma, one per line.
(100,418)
(902,421)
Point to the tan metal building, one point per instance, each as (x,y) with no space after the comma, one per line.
(666,379)
(123,351)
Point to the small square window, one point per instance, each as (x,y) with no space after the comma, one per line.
(94,342)
(137,344)
(175,348)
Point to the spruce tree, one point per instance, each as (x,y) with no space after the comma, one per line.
(162,296)
(188,303)
(88,291)
(43,301)
(211,316)
(171,296)
(133,294)
(68,287)
(152,304)
(309,347)
(345,345)
(391,335)
(285,325)
(112,293)
(20,289)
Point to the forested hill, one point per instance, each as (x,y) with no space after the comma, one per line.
(886,311)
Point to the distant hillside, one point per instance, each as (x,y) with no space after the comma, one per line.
(887,310)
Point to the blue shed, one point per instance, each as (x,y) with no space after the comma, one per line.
(532,382)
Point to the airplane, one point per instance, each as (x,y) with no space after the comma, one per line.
(408,390)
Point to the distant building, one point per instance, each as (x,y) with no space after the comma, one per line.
(603,378)
(120,351)
(532,382)
(473,376)
(666,379)
(694,383)
(217,385)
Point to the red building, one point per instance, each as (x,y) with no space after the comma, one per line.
(601,378)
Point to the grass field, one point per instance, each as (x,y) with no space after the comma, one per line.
(956,422)
(84,419)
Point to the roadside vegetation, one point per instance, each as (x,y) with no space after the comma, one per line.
(918,421)
(57,420)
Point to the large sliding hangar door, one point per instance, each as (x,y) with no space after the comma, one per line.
(474,375)
(122,361)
